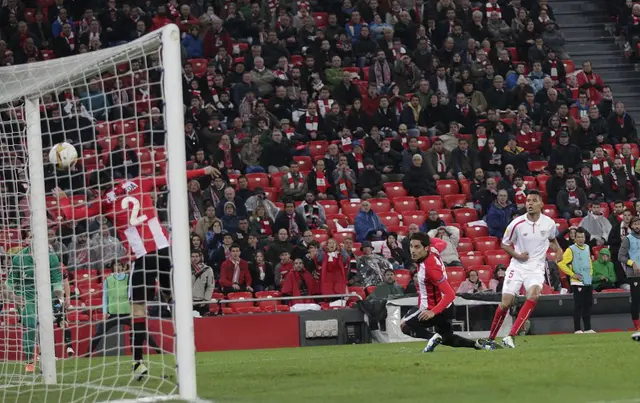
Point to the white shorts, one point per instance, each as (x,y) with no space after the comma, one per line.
(515,278)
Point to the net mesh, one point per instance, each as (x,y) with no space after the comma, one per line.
(109,105)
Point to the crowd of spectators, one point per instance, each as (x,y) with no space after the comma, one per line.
(339,128)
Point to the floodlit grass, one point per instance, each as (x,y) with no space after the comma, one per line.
(567,368)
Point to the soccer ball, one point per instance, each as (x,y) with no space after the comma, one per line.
(63,155)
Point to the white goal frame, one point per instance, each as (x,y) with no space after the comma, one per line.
(32,80)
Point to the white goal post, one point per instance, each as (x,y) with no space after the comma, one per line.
(24,101)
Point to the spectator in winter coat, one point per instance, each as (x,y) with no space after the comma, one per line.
(370,266)
(202,281)
(370,182)
(234,273)
(312,211)
(216,38)
(344,179)
(451,235)
(472,284)
(368,225)
(294,183)
(438,161)
(192,44)
(622,127)
(334,270)
(572,201)
(276,155)
(417,181)
(604,274)
(261,271)
(566,154)
(554,39)
(289,219)
(262,77)
(497,281)
(499,214)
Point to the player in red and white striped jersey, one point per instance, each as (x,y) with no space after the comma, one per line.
(435,298)
(128,205)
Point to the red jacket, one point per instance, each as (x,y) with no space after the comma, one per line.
(291,285)
(333,279)
(594,90)
(214,41)
(370,105)
(531,142)
(226,274)
(158,22)
(185,25)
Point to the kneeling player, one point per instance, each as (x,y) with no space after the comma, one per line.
(526,240)
(435,297)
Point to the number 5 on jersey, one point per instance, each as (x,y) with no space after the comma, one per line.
(133,204)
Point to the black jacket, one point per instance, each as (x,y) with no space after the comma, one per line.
(417,182)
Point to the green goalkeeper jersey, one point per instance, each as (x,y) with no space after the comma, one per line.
(21,279)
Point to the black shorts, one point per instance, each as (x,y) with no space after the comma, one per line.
(145,271)
(441,322)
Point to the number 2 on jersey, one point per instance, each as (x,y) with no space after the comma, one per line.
(135,218)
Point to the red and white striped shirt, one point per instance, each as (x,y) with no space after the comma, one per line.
(129,206)
(431,275)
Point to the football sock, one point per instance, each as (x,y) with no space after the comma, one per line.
(636,324)
(67,337)
(523,316)
(139,336)
(498,319)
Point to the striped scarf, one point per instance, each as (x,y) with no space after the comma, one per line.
(600,167)
(491,8)
(324,106)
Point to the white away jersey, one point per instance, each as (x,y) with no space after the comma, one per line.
(532,237)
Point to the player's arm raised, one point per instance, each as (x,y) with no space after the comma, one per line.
(151,183)
(75,213)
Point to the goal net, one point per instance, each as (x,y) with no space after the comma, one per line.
(66,332)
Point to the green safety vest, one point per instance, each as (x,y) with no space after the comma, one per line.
(118,296)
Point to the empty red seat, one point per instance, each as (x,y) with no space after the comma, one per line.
(246,309)
(125,127)
(514,54)
(389,219)
(423,142)
(320,235)
(199,66)
(495,257)
(239,296)
(465,215)
(471,259)
(413,217)
(398,229)
(456,275)
(330,206)
(334,219)
(296,60)
(341,236)
(304,163)
(530,182)
(430,202)
(474,231)
(257,180)
(465,245)
(465,188)
(349,207)
(445,215)
(561,224)
(380,205)
(276,179)
(403,204)
(272,194)
(575,222)
(394,189)
(403,277)
(569,66)
(542,182)
(550,210)
(358,291)
(318,148)
(454,200)
(447,187)
(537,166)
(486,243)
(321,19)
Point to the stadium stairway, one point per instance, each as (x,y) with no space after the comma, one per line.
(589,33)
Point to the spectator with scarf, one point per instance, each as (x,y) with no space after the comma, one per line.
(380,74)
(600,164)
(196,202)
(294,185)
(519,192)
(333,278)
(345,179)
(312,211)
(300,282)
(620,184)
(202,283)
(226,157)
(234,273)
(628,159)
(214,192)
(289,219)
(318,182)
(572,201)
(593,188)
(367,224)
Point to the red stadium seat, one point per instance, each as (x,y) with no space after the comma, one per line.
(447,187)
(389,219)
(358,291)
(445,215)
(471,259)
(465,188)
(349,207)
(29,15)
(547,290)
(370,289)
(454,200)
(380,205)
(495,257)
(318,148)
(355,70)
(365,73)
(537,166)
(485,273)
(304,163)
(239,296)
(551,255)
(199,66)
(430,202)
(125,127)
(595,251)
(465,215)
(257,180)
(320,19)
(605,209)
(296,60)
(575,222)
(276,179)
(227,310)
(514,54)
(246,309)
(561,224)
(413,217)
(550,210)
(423,143)
(332,219)
(404,204)
(102,128)
(465,245)
(542,182)
(47,54)
(530,182)
(456,275)
(394,189)
(330,206)
(341,236)
(320,235)
(569,66)
(403,277)
(486,243)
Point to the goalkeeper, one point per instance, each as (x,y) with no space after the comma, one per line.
(21,287)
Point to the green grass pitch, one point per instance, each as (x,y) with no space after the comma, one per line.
(565,368)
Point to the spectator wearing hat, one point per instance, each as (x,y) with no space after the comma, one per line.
(294,183)
(370,181)
(229,195)
(368,225)
(572,201)
(554,39)
(370,266)
(499,214)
